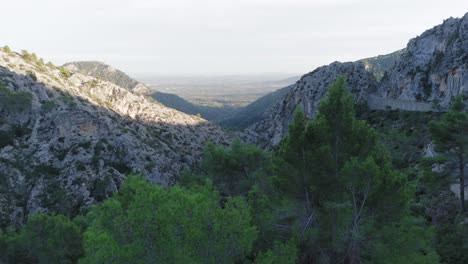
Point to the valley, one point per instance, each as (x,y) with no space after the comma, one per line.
(353,162)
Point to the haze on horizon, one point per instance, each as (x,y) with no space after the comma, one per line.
(217,37)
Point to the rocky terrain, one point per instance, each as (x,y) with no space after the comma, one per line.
(68,139)
(107,73)
(424,76)
(307,93)
(433,67)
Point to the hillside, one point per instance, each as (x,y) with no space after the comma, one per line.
(306,94)
(425,76)
(380,64)
(70,139)
(433,66)
(253,112)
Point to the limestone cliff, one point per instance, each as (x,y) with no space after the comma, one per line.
(68,140)
(433,67)
(307,93)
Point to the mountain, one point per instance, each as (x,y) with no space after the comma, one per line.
(212,113)
(254,111)
(306,93)
(107,73)
(69,139)
(110,74)
(380,64)
(433,67)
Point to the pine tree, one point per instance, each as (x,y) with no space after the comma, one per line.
(450,134)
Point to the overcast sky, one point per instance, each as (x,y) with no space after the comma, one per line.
(217,36)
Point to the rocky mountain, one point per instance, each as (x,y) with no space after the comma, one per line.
(378,65)
(107,73)
(68,139)
(113,75)
(254,111)
(306,93)
(433,67)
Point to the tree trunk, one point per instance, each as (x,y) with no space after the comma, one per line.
(462,184)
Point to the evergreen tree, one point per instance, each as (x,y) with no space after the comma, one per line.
(450,135)
(144,223)
(335,167)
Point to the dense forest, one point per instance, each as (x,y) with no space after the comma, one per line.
(341,188)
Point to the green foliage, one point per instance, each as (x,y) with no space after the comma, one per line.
(50,65)
(64,72)
(48,106)
(11,102)
(32,75)
(7,50)
(234,171)
(450,135)
(281,253)
(44,239)
(30,57)
(145,223)
(335,167)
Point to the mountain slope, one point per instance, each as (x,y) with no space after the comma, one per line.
(70,139)
(306,93)
(212,113)
(254,111)
(433,67)
(110,74)
(107,73)
(378,65)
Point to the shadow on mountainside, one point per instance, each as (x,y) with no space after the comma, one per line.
(63,152)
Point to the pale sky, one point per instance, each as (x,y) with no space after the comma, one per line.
(217,36)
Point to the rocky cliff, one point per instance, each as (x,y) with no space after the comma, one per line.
(108,73)
(424,76)
(69,139)
(307,93)
(433,67)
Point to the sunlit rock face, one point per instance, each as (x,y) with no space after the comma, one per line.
(70,140)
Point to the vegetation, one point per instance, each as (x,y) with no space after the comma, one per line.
(329,194)
(64,72)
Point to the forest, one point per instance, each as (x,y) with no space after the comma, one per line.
(338,189)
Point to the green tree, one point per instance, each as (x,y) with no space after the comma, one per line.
(334,168)
(450,135)
(145,223)
(44,239)
(234,171)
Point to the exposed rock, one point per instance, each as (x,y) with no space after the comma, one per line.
(307,93)
(74,139)
(433,67)
(108,73)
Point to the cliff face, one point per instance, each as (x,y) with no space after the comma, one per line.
(108,73)
(306,93)
(68,141)
(425,76)
(433,67)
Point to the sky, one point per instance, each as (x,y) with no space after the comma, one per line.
(217,37)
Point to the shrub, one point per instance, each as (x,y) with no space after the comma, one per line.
(64,72)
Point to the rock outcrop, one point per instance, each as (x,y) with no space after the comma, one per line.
(425,76)
(68,140)
(433,67)
(307,93)
(108,73)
